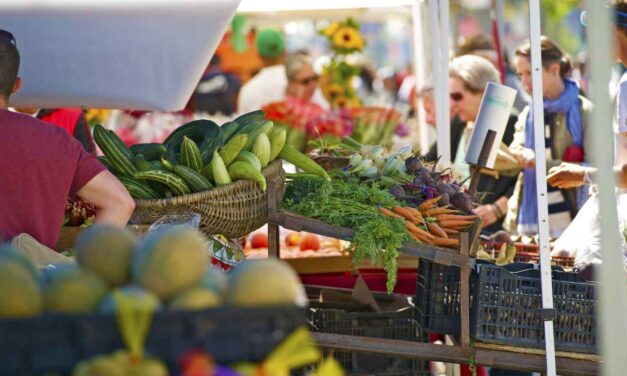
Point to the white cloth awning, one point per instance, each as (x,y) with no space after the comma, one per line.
(139,54)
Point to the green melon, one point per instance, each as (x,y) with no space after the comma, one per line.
(261,283)
(214,280)
(106,250)
(20,295)
(70,289)
(11,253)
(196,299)
(140,295)
(170,260)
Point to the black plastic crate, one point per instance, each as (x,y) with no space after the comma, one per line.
(400,325)
(507,309)
(55,343)
(438,292)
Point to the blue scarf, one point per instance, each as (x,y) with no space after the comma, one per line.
(570,104)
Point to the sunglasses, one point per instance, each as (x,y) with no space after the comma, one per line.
(307,80)
(457,96)
(6,36)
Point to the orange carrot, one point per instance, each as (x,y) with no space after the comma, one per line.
(388,213)
(405,213)
(417,230)
(455,223)
(415,237)
(427,204)
(445,242)
(437,230)
(423,239)
(456,217)
(439,211)
(450,231)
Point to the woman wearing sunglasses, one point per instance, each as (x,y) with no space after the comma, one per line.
(302,81)
(469,75)
(565,116)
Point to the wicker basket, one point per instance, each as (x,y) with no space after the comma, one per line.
(232,210)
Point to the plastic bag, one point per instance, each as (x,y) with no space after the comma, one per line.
(186,220)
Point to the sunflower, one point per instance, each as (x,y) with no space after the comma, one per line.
(331,29)
(340,102)
(332,91)
(347,38)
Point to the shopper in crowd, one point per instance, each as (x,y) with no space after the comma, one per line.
(71,119)
(469,75)
(587,249)
(217,90)
(270,83)
(566,116)
(457,125)
(483,45)
(42,165)
(302,81)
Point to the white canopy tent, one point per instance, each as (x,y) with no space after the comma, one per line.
(140,54)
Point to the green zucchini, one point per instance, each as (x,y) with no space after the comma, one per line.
(232,148)
(302,161)
(168,166)
(213,141)
(194,180)
(116,154)
(138,189)
(195,130)
(244,170)
(228,129)
(117,141)
(105,162)
(151,151)
(190,155)
(170,180)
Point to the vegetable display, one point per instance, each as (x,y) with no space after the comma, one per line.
(198,156)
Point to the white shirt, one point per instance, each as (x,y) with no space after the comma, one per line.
(267,86)
(621,106)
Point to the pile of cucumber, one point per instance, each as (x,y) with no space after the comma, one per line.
(200,155)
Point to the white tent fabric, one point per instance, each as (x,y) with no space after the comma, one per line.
(300,5)
(140,54)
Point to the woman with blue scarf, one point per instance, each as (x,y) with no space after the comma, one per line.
(565,116)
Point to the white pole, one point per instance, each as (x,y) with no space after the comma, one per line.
(445,142)
(612,312)
(543,212)
(420,72)
(443,132)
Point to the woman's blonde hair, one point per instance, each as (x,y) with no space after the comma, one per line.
(474,71)
(294,63)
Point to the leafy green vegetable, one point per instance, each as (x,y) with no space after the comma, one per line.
(353,205)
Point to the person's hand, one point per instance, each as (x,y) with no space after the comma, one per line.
(487,215)
(567,175)
(526,158)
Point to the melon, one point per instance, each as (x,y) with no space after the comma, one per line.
(196,299)
(70,289)
(106,250)
(170,260)
(20,295)
(214,280)
(141,297)
(11,253)
(261,283)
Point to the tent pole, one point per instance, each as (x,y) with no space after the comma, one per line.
(612,309)
(444,151)
(543,212)
(419,71)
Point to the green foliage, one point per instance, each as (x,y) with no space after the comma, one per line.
(353,205)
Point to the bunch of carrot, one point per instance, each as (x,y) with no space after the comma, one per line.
(431,224)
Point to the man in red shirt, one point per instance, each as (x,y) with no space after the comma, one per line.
(41,165)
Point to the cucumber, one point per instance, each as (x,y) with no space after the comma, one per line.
(194,180)
(249,157)
(302,161)
(277,141)
(142,164)
(115,151)
(170,180)
(232,148)
(151,151)
(105,162)
(261,149)
(244,170)
(138,189)
(168,166)
(255,132)
(219,171)
(190,155)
